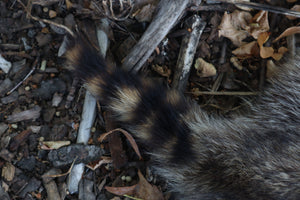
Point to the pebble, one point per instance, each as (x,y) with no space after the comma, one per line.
(27,88)
(5,86)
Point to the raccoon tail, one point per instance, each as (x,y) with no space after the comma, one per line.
(150,112)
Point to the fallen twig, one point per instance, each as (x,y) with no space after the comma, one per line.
(168,14)
(30,72)
(187,51)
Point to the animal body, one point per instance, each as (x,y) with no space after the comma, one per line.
(254,156)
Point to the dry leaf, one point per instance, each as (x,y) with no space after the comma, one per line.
(290,31)
(143,190)
(266,52)
(294,8)
(121,190)
(146,191)
(8,171)
(49,145)
(281,51)
(259,24)
(234,26)
(263,38)
(247,50)
(204,69)
(128,136)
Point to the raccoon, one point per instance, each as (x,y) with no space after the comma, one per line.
(254,156)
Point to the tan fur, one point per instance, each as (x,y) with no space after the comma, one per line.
(128,100)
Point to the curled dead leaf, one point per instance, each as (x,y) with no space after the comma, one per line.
(121,190)
(234,26)
(49,145)
(263,38)
(277,56)
(146,191)
(204,69)
(290,31)
(246,50)
(127,135)
(260,24)
(266,52)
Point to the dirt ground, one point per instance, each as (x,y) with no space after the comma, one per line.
(41,102)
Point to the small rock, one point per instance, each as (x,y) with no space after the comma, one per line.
(43,65)
(26,46)
(27,88)
(32,186)
(31,33)
(45,9)
(14,126)
(86,188)
(52,13)
(37,78)
(10,98)
(30,114)
(48,114)
(4,64)
(16,67)
(43,39)
(3,194)
(27,164)
(49,87)
(3,128)
(5,86)
(57,98)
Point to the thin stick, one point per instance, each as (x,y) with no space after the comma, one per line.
(31,71)
(187,51)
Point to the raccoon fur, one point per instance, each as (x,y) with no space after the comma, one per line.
(255,156)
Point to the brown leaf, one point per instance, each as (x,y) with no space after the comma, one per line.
(128,136)
(234,26)
(204,69)
(49,145)
(146,191)
(121,190)
(266,52)
(290,31)
(281,51)
(259,24)
(249,49)
(263,38)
